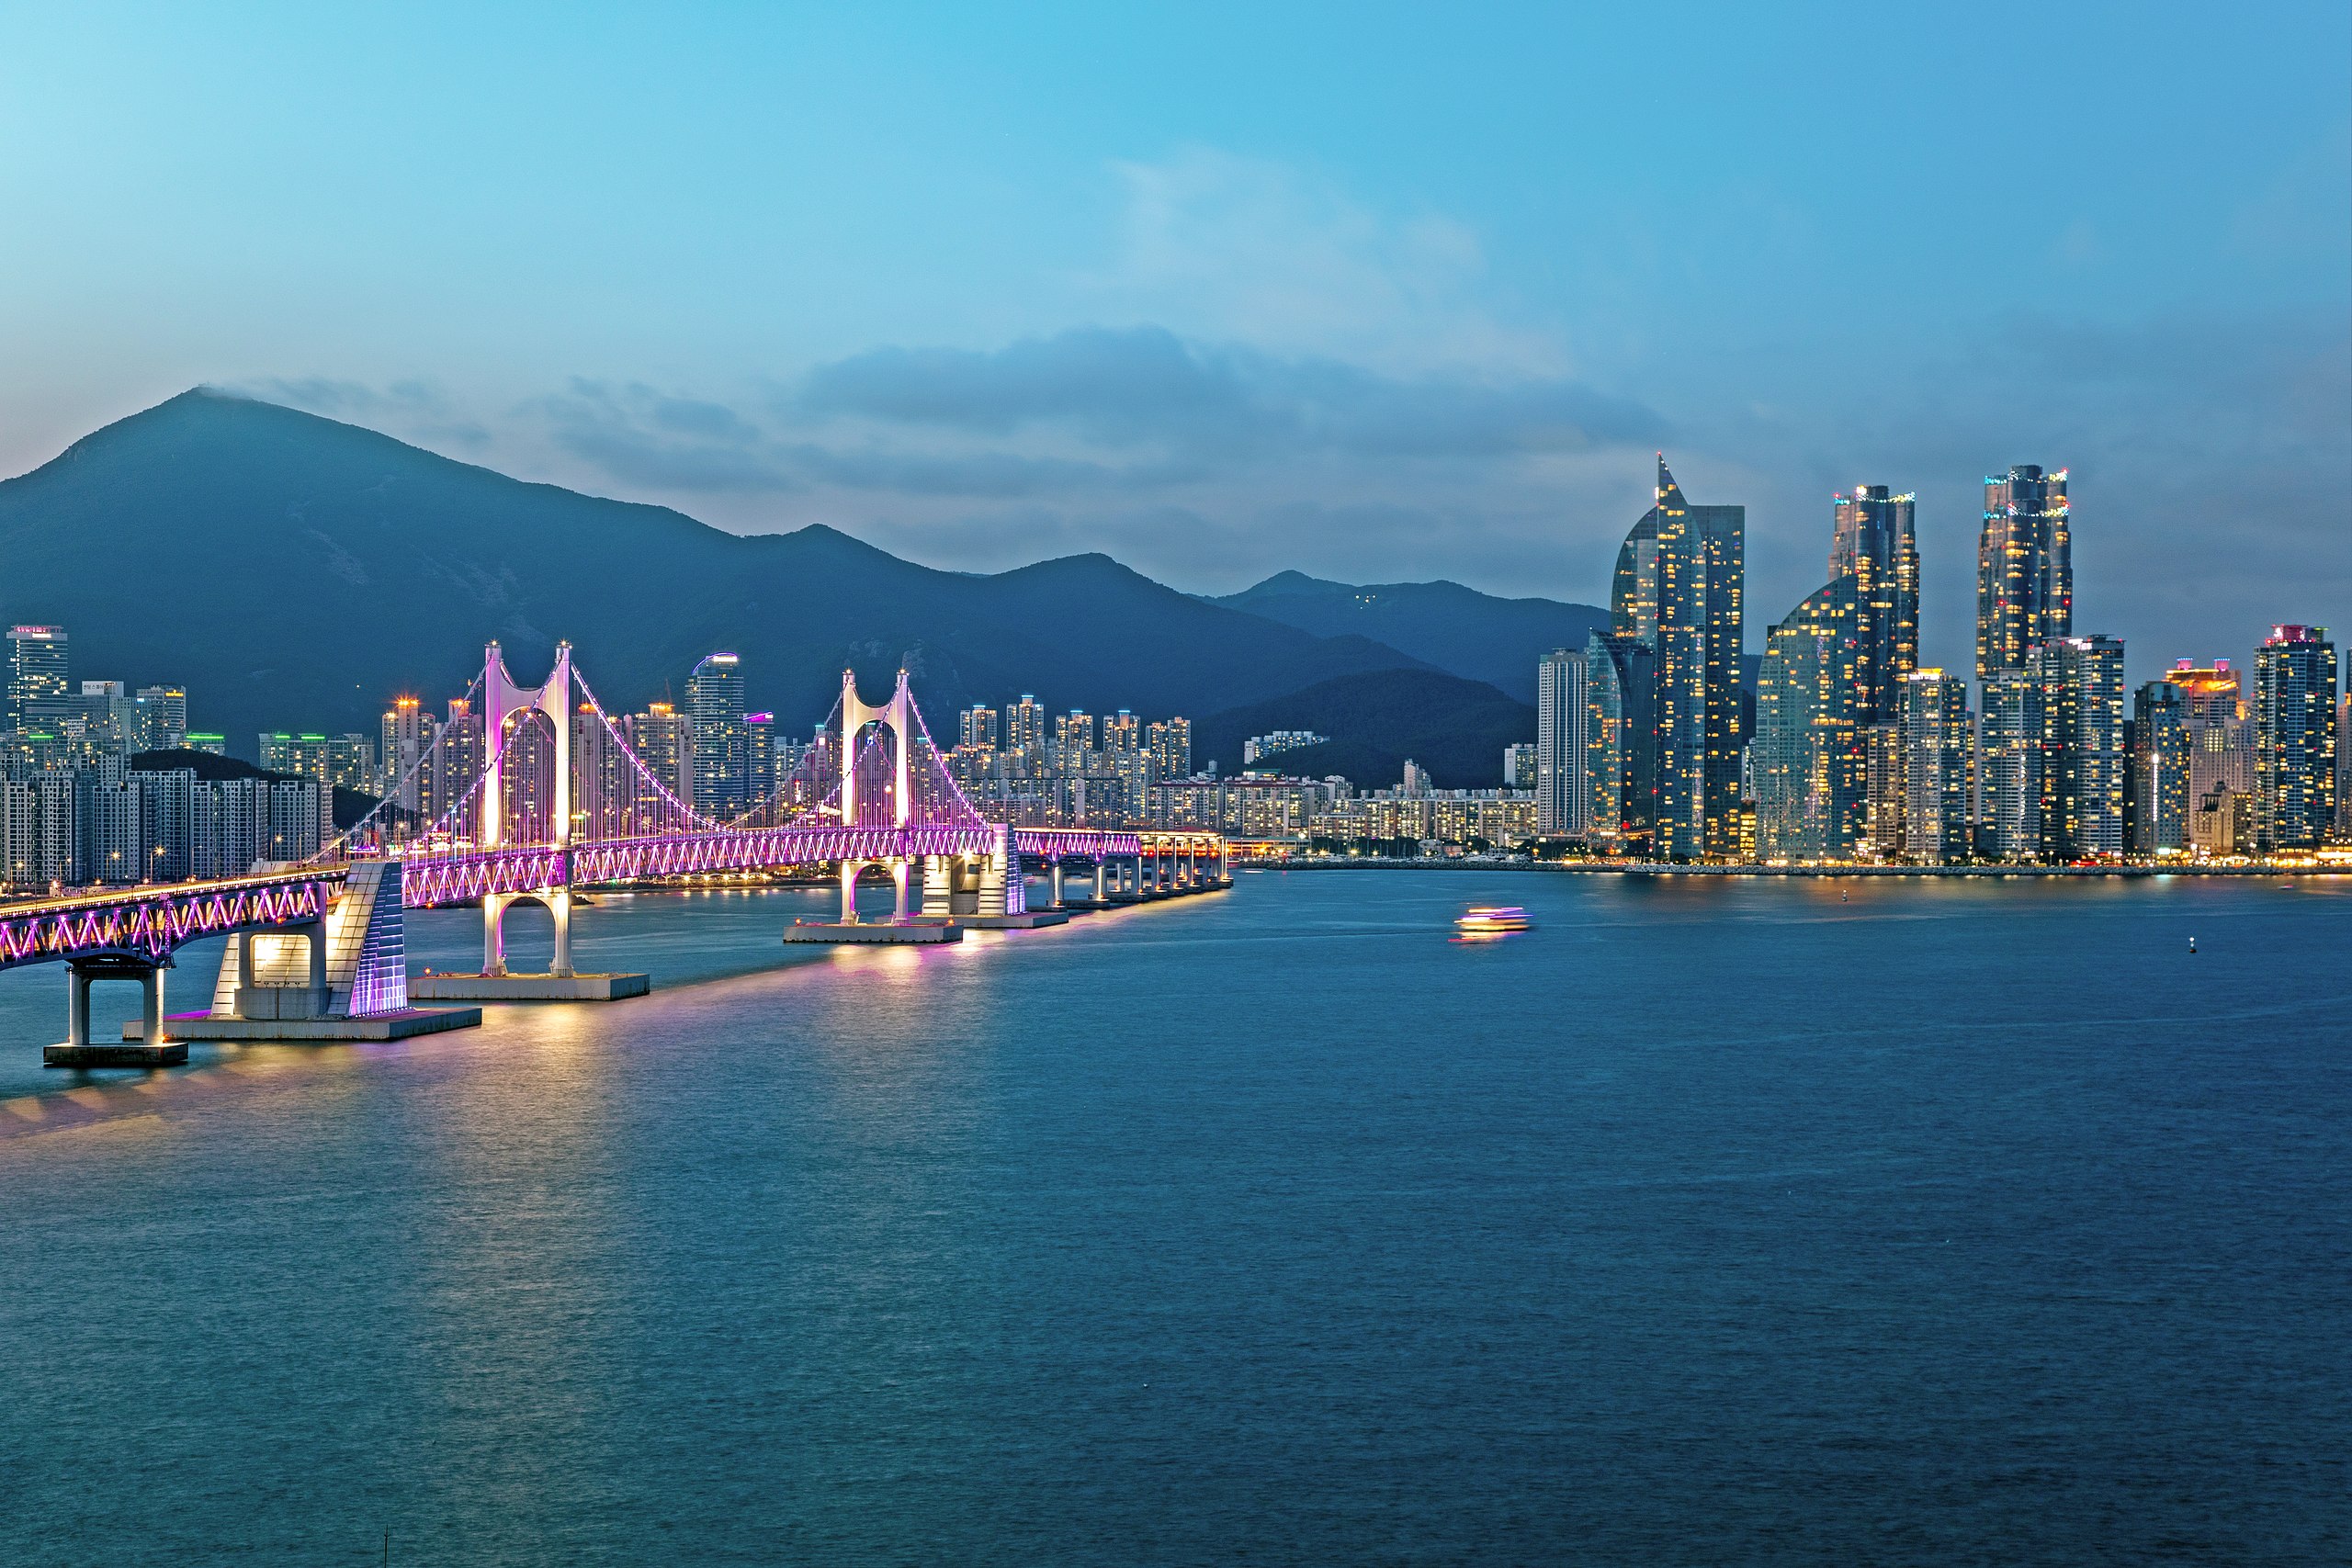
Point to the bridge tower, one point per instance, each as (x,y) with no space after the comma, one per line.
(896,716)
(505,698)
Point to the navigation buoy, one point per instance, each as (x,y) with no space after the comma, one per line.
(2192,944)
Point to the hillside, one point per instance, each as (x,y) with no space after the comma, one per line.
(1456,729)
(295,573)
(1475,636)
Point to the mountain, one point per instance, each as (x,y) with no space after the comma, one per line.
(1470,634)
(1374,721)
(295,573)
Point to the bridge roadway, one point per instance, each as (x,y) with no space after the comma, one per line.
(131,933)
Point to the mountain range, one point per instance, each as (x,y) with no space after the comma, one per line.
(295,573)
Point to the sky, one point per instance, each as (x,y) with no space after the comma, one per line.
(1377,293)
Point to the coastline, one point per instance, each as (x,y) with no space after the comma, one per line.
(1584,868)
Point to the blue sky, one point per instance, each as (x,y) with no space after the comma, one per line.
(1375,292)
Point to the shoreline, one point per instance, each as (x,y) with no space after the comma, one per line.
(1663,869)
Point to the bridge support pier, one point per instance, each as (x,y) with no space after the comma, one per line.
(151,1051)
(496,983)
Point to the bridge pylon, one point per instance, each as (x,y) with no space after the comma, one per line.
(504,699)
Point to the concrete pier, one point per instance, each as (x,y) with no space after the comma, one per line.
(170,1054)
(607,987)
(1034,920)
(879,933)
(401,1025)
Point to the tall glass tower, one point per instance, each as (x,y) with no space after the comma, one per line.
(36,671)
(1808,755)
(721,741)
(1563,802)
(1680,575)
(2295,739)
(1875,544)
(2025,572)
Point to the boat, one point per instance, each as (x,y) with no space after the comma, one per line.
(1493,919)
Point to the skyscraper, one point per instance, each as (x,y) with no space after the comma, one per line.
(1621,742)
(1024,737)
(1807,759)
(2008,768)
(1875,544)
(1170,745)
(36,671)
(1563,801)
(2025,573)
(1678,590)
(1938,768)
(2156,795)
(162,719)
(2294,737)
(721,745)
(2082,746)
(976,727)
(2220,740)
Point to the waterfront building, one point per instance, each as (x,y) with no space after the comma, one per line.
(1885,782)
(2009,768)
(2221,737)
(2082,746)
(2222,824)
(2294,737)
(2025,574)
(1938,768)
(721,747)
(2344,767)
(1621,759)
(664,738)
(1807,761)
(1680,576)
(458,759)
(1563,719)
(36,671)
(1873,542)
(2156,795)
(760,754)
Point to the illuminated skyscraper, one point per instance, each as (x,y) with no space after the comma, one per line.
(1678,590)
(2025,574)
(976,727)
(406,735)
(36,671)
(722,746)
(2220,739)
(2294,737)
(1621,750)
(1938,768)
(1024,737)
(162,719)
(2157,793)
(1875,544)
(2081,681)
(2008,766)
(1563,799)
(1170,747)
(1807,758)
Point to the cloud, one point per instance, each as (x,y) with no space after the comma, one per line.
(418,408)
(642,436)
(1146,386)
(1229,247)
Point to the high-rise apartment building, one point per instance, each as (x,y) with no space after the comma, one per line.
(2294,737)
(1073,741)
(36,671)
(1807,758)
(721,747)
(1621,750)
(1024,737)
(1170,744)
(2221,737)
(1680,579)
(977,726)
(2082,746)
(1873,542)
(1563,719)
(2157,798)
(2025,574)
(1938,768)
(2008,768)
(163,712)
(406,735)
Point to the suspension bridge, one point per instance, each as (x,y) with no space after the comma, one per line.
(552,797)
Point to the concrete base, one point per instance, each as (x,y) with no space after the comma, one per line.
(1028,922)
(170,1054)
(383,1026)
(526,988)
(877,934)
(1081,906)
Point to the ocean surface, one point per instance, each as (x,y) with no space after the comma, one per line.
(1712,1222)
